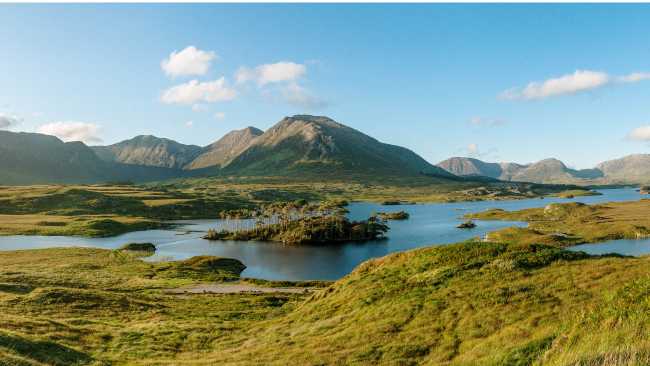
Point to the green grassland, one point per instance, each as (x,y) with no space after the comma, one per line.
(473,303)
(574,223)
(92,306)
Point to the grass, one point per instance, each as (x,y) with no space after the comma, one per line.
(472,303)
(574,223)
(93,306)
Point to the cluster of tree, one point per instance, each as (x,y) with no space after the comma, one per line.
(309,230)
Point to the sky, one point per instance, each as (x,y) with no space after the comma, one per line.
(507,82)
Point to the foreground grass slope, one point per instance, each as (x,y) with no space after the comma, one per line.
(474,303)
(465,304)
(92,306)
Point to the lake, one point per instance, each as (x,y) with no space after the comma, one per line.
(429,224)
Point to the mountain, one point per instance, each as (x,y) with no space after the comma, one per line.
(31,158)
(220,153)
(302,145)
(631,168)
(149,151)
(544,171)
(305,144)
(473,167)
(553,171)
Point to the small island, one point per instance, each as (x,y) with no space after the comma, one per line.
(308,230)
(469,224)
(399,215)
(139,247)
(292,223)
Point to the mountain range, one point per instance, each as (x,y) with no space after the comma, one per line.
(302,145)
(626,170)
(295,146)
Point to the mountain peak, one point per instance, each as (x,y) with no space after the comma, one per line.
(149,150)
(221,152)
(304,143)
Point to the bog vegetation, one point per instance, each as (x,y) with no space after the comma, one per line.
(303,223)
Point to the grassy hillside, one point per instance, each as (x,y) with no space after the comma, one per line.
(573,223)
(465,304)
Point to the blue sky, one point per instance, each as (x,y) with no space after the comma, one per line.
(498,82)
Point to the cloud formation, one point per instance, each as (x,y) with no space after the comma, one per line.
(219,115)
(271,73)
(195,91)
(634,77)
(8,121)
(640,134)
(579,81)
(72,131)
(189,61)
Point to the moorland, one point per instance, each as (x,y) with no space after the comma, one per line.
(519,296)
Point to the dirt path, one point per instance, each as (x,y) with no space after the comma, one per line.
(221,288)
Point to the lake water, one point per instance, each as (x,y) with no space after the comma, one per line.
(429,224)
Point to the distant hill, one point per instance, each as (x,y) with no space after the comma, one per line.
(545,171)
(313,147)
(30,158)
(149,151)
(553,171)
(311,144)
(220,153)
(33,157)
(631,168)
(473,167)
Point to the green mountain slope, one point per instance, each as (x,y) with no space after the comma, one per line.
(305,144)
(31,158)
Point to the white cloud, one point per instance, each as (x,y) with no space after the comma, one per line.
(490,122)
(72,131)
(298,96)
(634,77)
(472,149)
(198,107)
(579,81)
(271,73)
(190,61)
(219,115)
(640,134)
(189,123)
(8,121)
(194,92)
